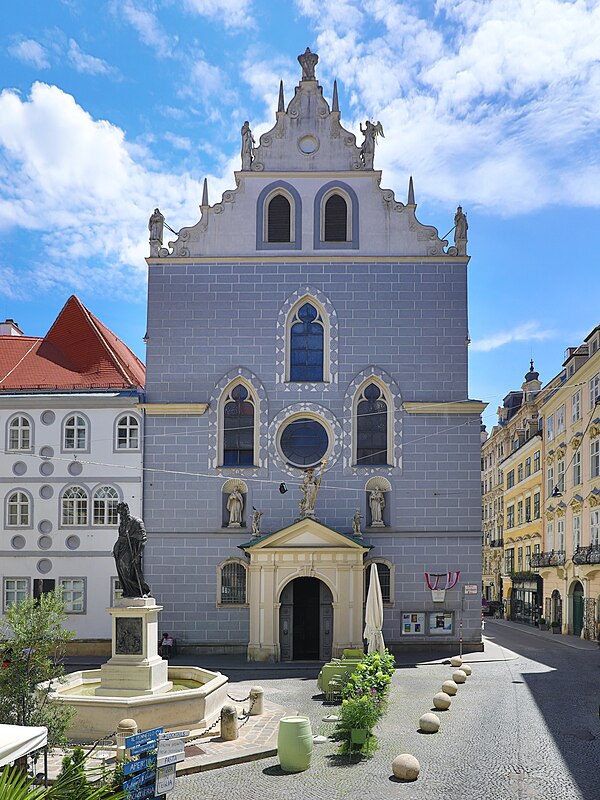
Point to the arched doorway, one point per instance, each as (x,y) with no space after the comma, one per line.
(577,595)
(556,608)
(305,621)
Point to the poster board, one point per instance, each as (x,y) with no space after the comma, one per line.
(413,624)
(441,623)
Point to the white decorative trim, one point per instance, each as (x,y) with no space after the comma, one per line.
(322,415)
(330,340)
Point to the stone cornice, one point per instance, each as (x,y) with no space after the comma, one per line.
(174,409)
(309,258)
(469,407)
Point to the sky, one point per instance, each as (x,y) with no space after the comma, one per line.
(110,108)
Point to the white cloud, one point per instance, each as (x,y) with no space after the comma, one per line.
(494,104)
(78,184)
(83,62)
(30,52)
(231,13)
(148,28)
(526,332)
(179,142)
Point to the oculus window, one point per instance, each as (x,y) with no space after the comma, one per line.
(238,428)
(371,427)
(304,442)
(307,345)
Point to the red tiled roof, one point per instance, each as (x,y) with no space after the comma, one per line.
(78,353)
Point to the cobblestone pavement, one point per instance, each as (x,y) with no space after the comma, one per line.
(524,726)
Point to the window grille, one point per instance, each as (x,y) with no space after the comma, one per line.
(233,583)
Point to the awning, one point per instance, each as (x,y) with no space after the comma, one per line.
(18,740)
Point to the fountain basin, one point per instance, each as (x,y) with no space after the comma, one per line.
(194,702)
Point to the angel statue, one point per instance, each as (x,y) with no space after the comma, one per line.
(367,151)
(309,487)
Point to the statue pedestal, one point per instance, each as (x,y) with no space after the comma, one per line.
(135,667)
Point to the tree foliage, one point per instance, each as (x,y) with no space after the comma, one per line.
(32,649)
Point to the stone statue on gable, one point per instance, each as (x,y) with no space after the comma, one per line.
(308,62)
(356,523)
(247,146)
(256,515)
(461,226)
(367,151)
(155,226)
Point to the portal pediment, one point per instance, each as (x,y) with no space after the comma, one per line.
(306,534)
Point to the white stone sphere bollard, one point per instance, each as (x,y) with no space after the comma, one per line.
(429,723)
(406,767)
(458,676)
(466,669)
(456,661)
(449,687)
(442,701)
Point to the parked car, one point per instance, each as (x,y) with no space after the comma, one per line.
(492,608)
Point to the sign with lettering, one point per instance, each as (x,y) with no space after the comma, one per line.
(139,780)
(166,747)
(143,748)
(165,779)
(471,588)
(138,766)
(142,794)
(174,735)
(172,759)
(144,736)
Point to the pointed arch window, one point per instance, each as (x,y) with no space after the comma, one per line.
(336,219)
(372,428)
(307,340)
(279,218)
(238,427)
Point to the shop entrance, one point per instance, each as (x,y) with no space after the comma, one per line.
(577,609)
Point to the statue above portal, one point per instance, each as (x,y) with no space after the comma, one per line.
(308,62)
(367,151)
(128,551)
(309,487)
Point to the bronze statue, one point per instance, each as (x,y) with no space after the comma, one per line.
(128,551)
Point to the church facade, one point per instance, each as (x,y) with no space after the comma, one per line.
(306,409)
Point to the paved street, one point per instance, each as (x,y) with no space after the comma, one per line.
(525,725)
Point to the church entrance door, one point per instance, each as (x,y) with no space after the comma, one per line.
(306,621)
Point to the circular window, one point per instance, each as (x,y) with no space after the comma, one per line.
(72,542)
(308,145)
(46,492)
(304,442)
(18,542)
(45,542)
(48,417)
(44,565)
(19,468)
(46,468)
(45,526)
(75,468)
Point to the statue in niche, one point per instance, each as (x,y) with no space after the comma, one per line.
(309,487)
(356,523)
(235,506)
(128,552)
(155,226)
(461,226)
(256,515)
(308,62)
(247,146)
(376,504)
(367,151)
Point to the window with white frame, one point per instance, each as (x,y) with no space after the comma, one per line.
(520,473)
(594,389)
(550,536)
(549,428)
(595,458)
(576,407)
(510,479)
(510,517)
(75,433)
(74,506)
(519,559)
(528,466)
(105,502)
(576,467)
(560,420)
(15,590)
(519,512)
(128,433)
(18,512)
(550,481)
(527,557)
(384,574)
(594,527)
(560,475)
(73,594)
(576,531)
(536,505)
(560,534)
(537,461)
(233,583)
(528,508)
(19,434)
(116,590)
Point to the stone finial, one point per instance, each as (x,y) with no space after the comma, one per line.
(335,103)
(204,203)
(308,62)
(411,192)
(461,226)
(281,103)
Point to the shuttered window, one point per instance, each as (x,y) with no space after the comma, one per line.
(336,219)
(278,219)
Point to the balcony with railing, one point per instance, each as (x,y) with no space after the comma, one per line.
(587,555)
(553,558)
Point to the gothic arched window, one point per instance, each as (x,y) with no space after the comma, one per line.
(371,427)
(238,428)
(307,345)
(279,214)
(336,219)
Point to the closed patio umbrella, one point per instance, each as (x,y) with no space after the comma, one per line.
(374,615)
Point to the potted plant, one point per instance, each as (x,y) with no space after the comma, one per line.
(358,717)
(555,626)
(543,624)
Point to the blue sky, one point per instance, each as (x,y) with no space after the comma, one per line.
(111,108)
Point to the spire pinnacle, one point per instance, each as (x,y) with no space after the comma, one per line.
(281,103)
(411,192)
(335,105)
(205,193)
